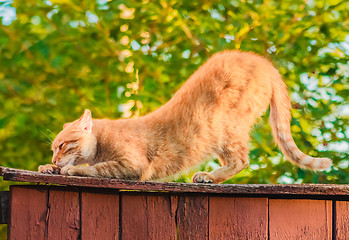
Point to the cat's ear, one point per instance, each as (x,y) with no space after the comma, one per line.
(86,121)
(66,125)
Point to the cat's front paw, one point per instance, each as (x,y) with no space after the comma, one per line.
(202,177)
(78,170)
(68,170)
(49,169)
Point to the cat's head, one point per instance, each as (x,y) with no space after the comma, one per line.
(75,144)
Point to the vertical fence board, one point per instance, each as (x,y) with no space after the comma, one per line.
(342,220)
(4,204)
(99,216)
(28,210)
(64,215)
(192,217)
(147,216)
(300,219)
(133,217)
(238,218)
(160,218)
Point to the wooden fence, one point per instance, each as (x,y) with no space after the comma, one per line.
(94,208)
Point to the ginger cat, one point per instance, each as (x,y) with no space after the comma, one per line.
(212,113)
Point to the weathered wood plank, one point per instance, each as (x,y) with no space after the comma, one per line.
(147,216)
(161,221)
(64,215)
(342,220)
(28,213)
(300,219)
(238,218)
(4,204)
(192,216)
(261,189)
(99,215)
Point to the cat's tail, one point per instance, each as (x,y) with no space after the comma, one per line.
(279,118)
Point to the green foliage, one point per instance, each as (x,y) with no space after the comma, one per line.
(125,58)
(3,231)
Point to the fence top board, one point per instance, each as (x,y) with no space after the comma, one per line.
(11,174)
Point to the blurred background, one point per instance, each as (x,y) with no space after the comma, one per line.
(127,58)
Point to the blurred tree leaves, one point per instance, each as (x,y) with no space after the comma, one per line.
(125,58)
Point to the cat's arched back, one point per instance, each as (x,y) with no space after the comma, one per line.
(212,113)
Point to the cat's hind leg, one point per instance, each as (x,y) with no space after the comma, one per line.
(233,158)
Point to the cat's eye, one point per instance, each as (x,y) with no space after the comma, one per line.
(60,146)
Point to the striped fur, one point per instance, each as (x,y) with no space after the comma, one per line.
(279,118)
(212,113)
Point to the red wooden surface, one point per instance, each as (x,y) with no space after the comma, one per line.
(99,215)
(147,217)
(192,216)
(342,220)
(63,221)
(238,218)
(53,212)
(300,219)
(28,213)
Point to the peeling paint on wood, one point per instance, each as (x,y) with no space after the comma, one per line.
(99,215)
(63,219)
(342,220)
(147,216)
(300,219)
(238,218)
(28,213)
(192,217)
(95,208)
